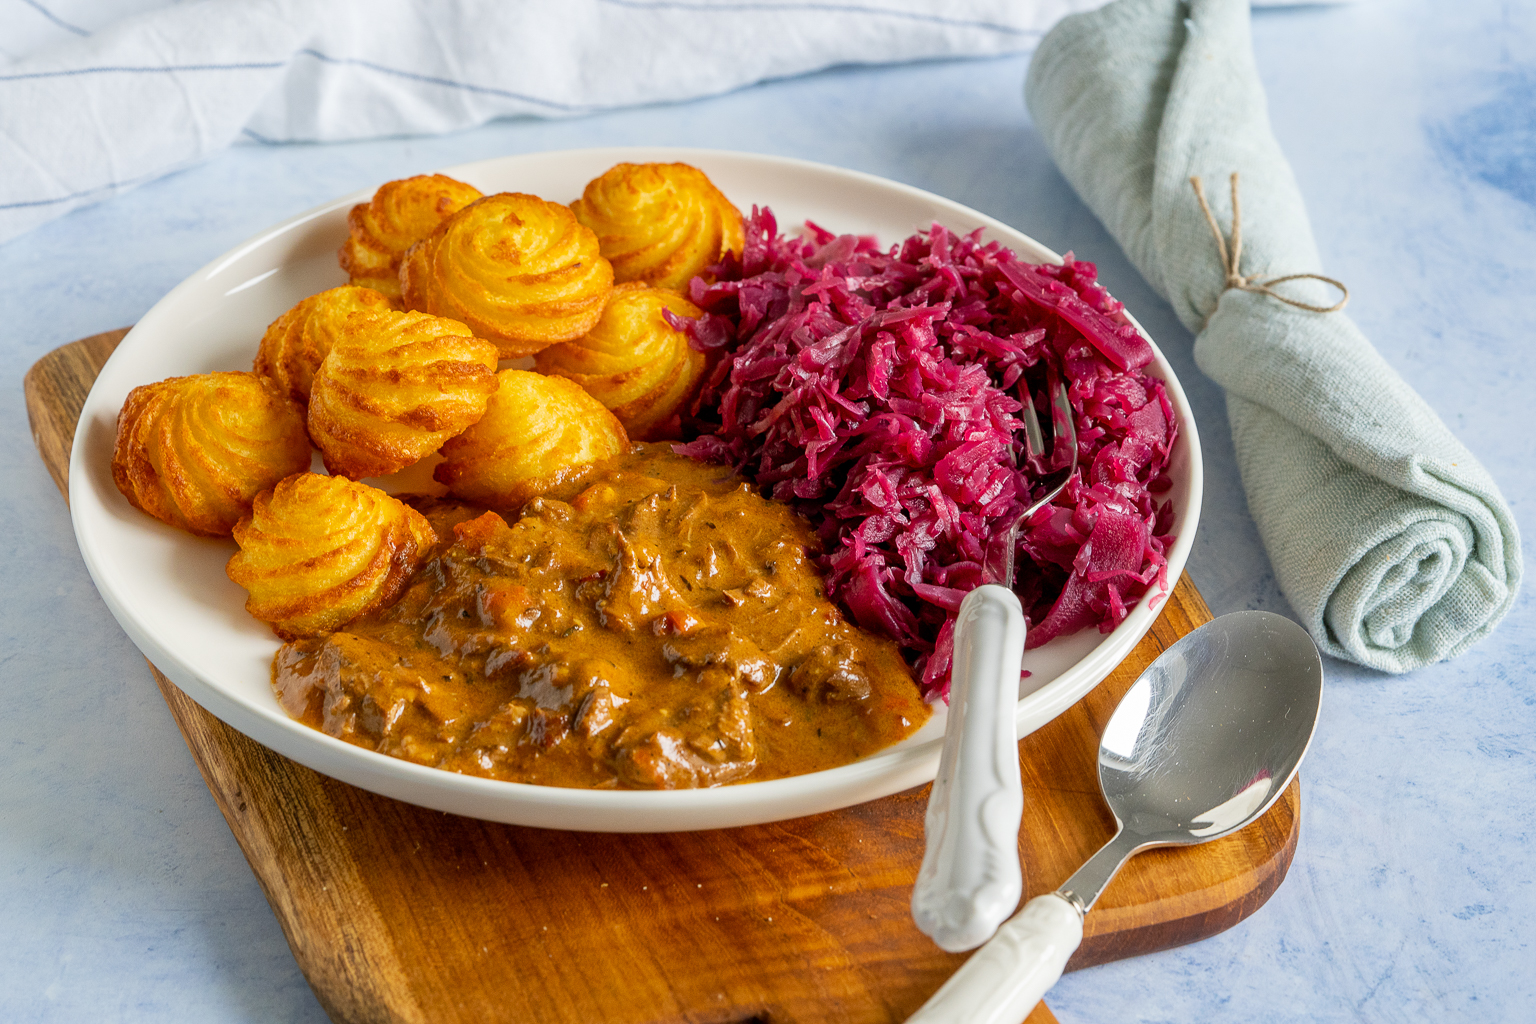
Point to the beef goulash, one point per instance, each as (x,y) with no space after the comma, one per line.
(653,623)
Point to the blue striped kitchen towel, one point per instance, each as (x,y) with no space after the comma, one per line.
(97,96)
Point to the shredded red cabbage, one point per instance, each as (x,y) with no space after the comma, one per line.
(877,393)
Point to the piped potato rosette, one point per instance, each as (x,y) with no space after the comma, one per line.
(634,362)
(194,451)
(537,432)
(297,342)
(518,270)
(400,214)
(659,223)
(394,387)
(318,551)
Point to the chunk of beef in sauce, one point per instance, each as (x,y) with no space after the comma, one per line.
(656,624)
(832,672)
(370,693)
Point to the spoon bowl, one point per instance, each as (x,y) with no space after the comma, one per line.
(1205,740)
(1201,744)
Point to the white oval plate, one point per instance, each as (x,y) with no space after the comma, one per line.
(169,591)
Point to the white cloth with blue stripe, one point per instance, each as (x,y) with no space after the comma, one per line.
(97,96)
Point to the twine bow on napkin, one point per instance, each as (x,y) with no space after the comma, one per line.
(1387,536)
(1233,260)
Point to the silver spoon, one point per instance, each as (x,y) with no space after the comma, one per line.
(1202,744)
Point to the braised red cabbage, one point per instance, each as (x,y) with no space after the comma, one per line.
(878,393)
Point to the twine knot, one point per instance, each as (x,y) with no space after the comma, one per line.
(1231,260)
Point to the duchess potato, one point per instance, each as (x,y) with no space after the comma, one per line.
(400,214)
(194,451)
(318,551)
(394,387)
(518,270)
(537,432)
(298,341)
(659,223)
(634,361)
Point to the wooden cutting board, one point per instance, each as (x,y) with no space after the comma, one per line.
(399,914)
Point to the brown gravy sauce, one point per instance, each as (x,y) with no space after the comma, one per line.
(653,624)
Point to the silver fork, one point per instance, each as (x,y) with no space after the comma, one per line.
(1063,431)
(970,880)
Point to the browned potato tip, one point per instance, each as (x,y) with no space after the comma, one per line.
(634,361)
(394,387)
(518,270)
(400,214)
(318,551)
(538,432)
(194,451)
(659,223)
(297,341)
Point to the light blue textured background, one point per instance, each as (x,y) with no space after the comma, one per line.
(1412,129)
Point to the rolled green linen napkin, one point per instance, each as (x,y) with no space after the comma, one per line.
(1387,536)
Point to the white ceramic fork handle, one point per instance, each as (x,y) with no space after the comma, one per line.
(1013,972)
(970,880)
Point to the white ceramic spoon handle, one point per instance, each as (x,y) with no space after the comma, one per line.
(970,880)
(1013,972)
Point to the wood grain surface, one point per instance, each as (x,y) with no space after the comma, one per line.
(400,914)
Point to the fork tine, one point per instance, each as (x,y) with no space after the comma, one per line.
(1034,442)
(998,560)
(1065,433)
(1063,429)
